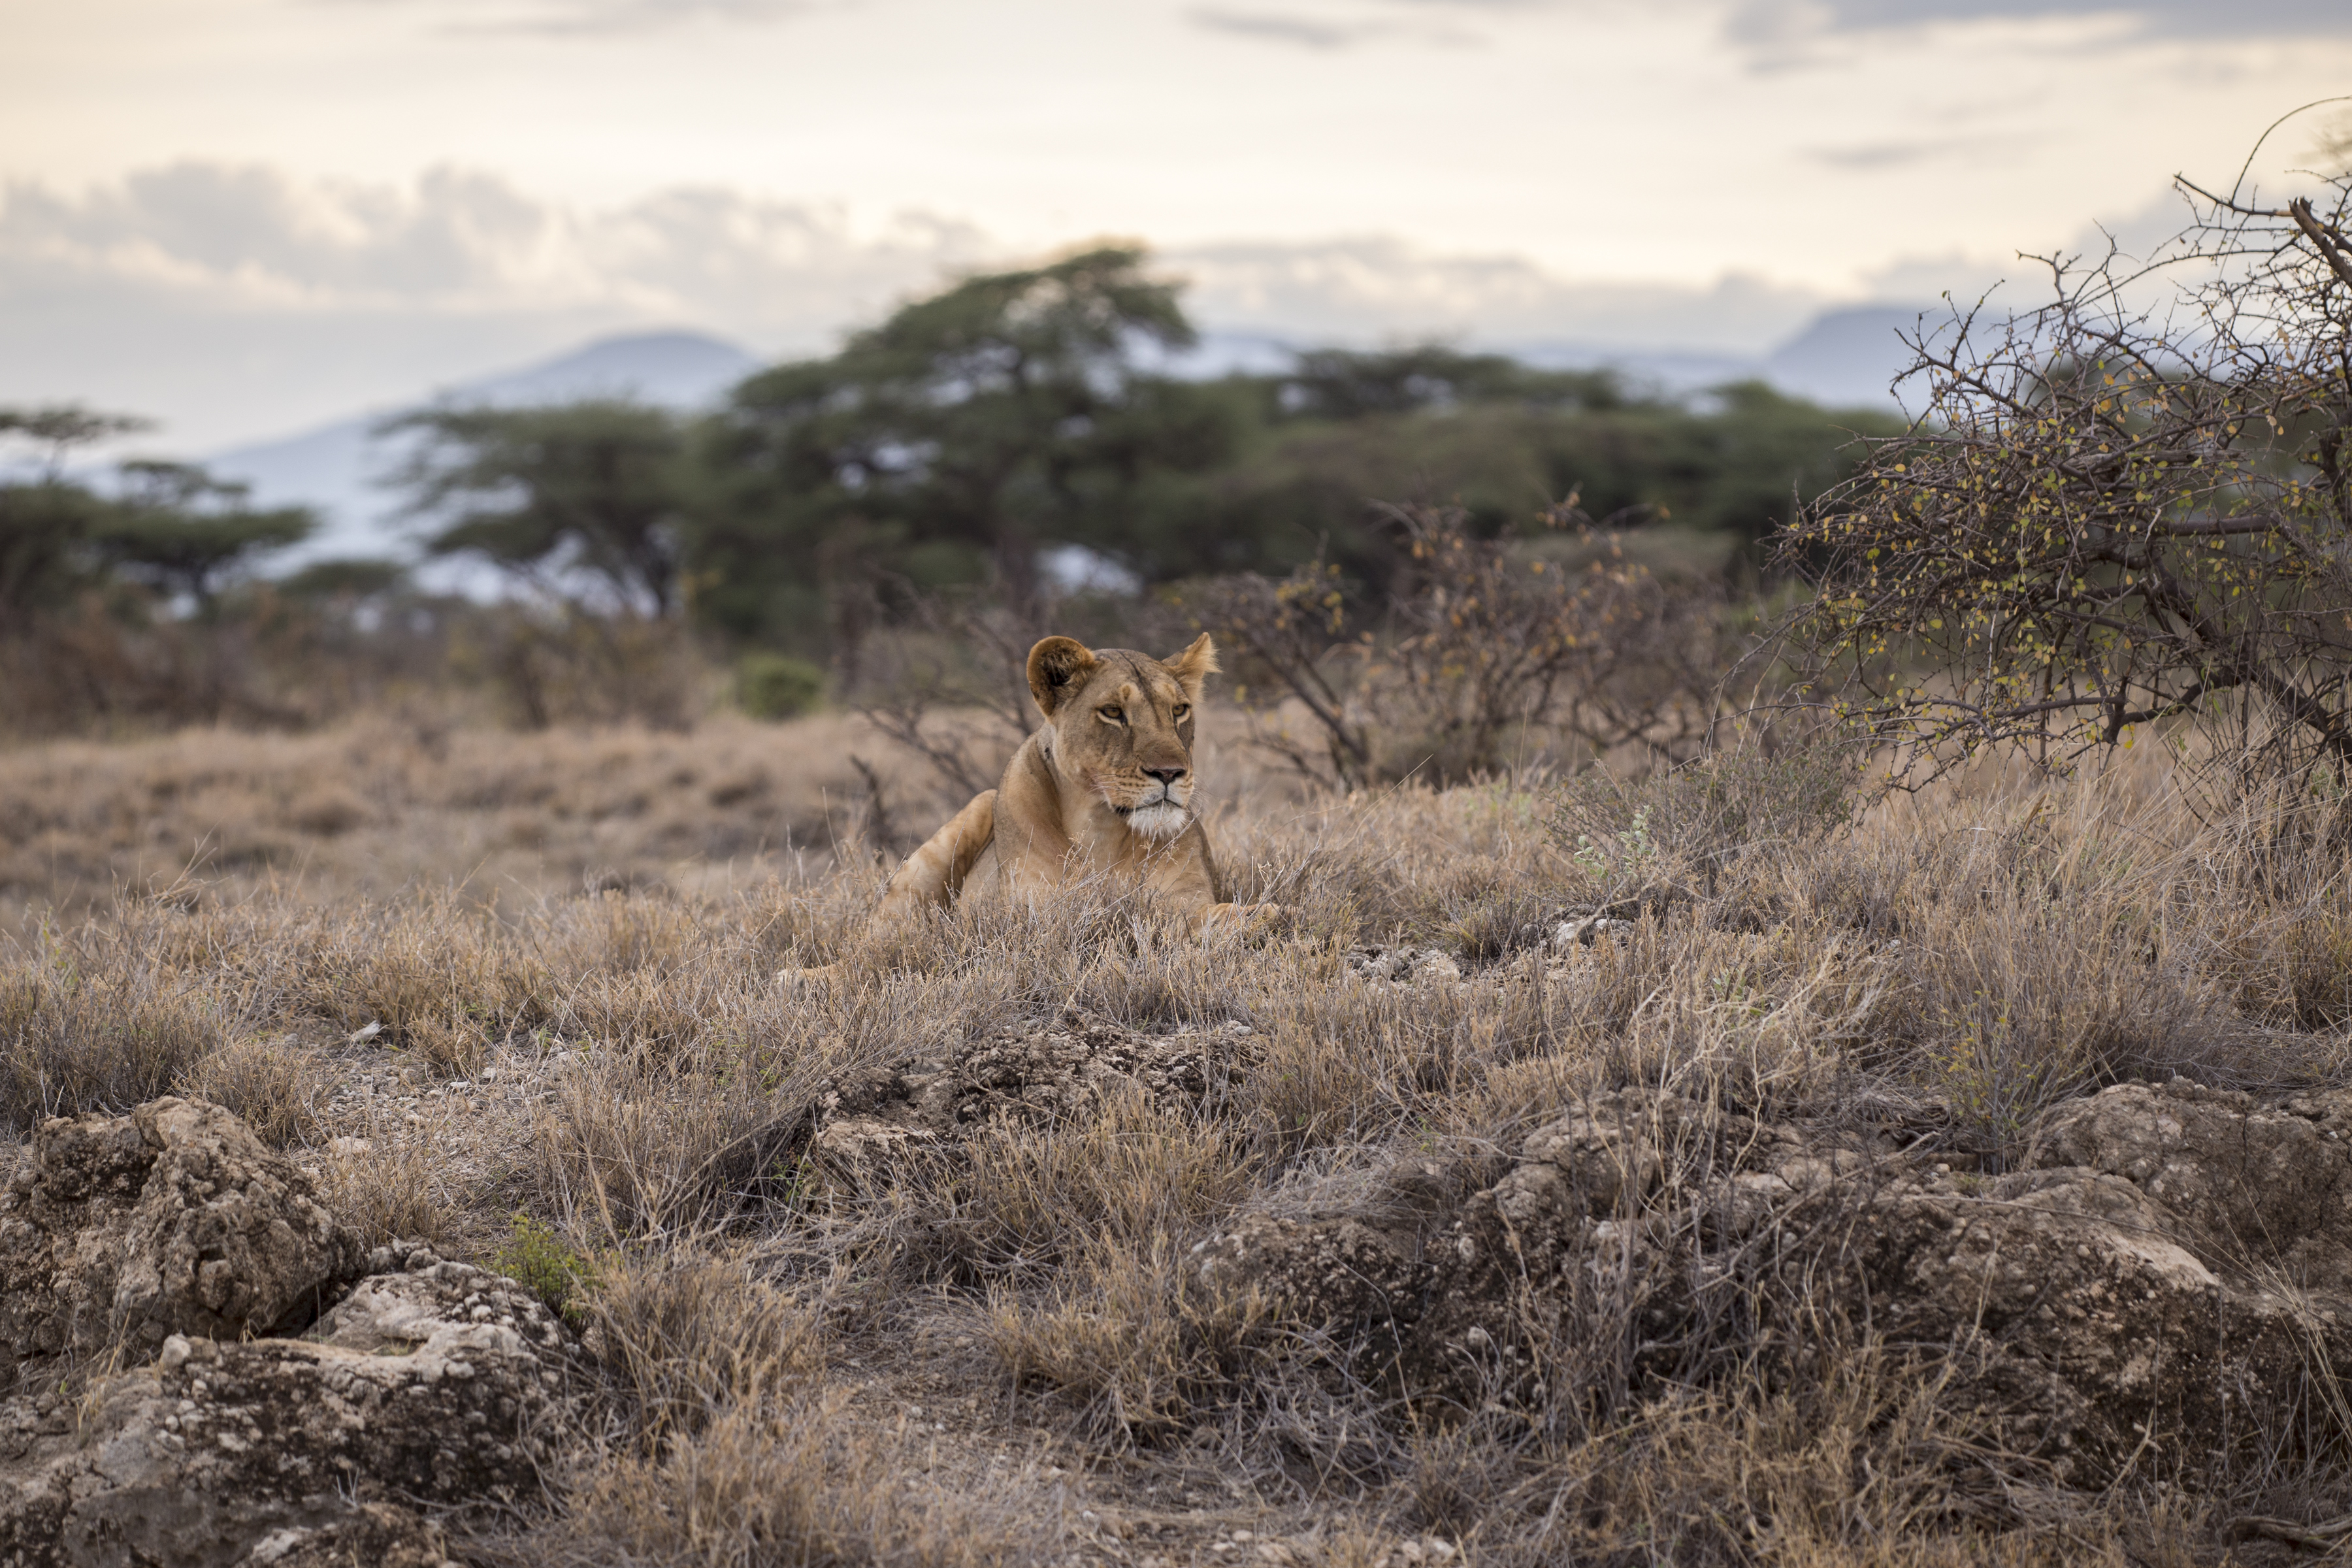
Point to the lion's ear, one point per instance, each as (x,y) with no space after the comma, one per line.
(1194,665)
(1056,666)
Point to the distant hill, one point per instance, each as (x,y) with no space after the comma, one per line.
(1846,356)
(1842,359)
(336,468)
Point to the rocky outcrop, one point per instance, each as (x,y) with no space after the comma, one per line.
(172,1220)
(2164,1277)
(171,1244)
(373,1535)
(437,1384)
(1403,966)
(1038,1070)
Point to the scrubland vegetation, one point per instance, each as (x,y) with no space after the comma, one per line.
(2023,779)
(609,1091)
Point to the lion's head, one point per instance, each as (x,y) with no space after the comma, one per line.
(1122,724)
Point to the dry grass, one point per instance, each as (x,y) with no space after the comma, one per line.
(384,804)
(1004,1359)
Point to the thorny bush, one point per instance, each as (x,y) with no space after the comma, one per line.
(1490,654)
(2112,512)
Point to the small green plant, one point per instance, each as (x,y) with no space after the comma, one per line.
(1634,846)
(540,1260)
(775,686)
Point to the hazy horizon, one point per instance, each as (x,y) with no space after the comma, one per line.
(242,217)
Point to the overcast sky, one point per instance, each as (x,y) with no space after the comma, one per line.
(244,215)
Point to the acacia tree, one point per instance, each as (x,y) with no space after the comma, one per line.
(594,488)
(177,527)
(169,526)
(2130,505)
(46,519)
(1014,410)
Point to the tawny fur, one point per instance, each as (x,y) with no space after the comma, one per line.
(1105,788)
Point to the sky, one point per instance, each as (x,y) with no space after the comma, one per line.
(242,217)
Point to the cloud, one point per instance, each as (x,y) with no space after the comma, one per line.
(234,300)
(1786,21)
(1281,29)
(1342,23)
(248,239)
(237,301)
(595,19)
(1371,288)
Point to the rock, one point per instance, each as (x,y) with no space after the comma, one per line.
(172,1220)
(1582,930)
(870,1129)
(861,1151)
(374,1535)
(1402,965)
(1038,1070)
(1338,1270)
(2270,1182)
(443,1385)
(2171,1263)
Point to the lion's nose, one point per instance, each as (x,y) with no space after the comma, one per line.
(1165,775)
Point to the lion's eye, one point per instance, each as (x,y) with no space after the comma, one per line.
(1180,710)
(1115,715)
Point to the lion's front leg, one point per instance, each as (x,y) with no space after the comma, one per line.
(935,873)
(932,875)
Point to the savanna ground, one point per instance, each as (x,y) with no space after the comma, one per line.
(518,995)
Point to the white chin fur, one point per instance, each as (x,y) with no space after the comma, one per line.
(1161,819)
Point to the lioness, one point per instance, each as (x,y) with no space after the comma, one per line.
(1105,787)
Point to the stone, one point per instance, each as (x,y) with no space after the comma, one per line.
(1039,1070)
(122,1230)
(373,1535)
(440,1385)
(2169,1261)
(1403,966)
(1582,930)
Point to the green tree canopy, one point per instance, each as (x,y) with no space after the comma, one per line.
(1014,410)
(170,526)
(1504,443)
(1343,383)
(46,520)
(56,428)
(594,487)
(175,527)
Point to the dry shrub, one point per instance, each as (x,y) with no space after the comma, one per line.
(1857,1463)
(276,1085)
(389,1190)
(1985,947)
(1488,653)
(397,799)
(437,975)
(626,1149)
(1351,1064)
(562,665)
(645,1138)
(1130,1343)
(94,1027)
(639,1141)
(687,1337)
(804,1485)
(1031,1198)
(723,1447)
